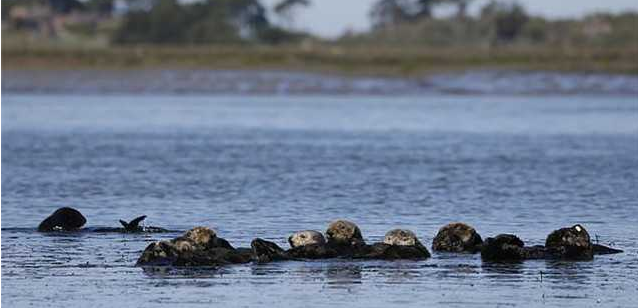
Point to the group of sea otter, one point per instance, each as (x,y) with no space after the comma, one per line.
(201,246)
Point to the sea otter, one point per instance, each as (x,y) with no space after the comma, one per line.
(63,219)
(310,244)
(457,237)
(199,246)
(344,241)
(571,243)
(132,227)
(508,247)
(397,244)
(70,219)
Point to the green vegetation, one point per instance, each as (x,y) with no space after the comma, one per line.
(237,34)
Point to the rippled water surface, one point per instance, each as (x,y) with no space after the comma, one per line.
(266,166)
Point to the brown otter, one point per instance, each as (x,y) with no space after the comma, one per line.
(397,244)
(457,237)
(199,246)
(344,241)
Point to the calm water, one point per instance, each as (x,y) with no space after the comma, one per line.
(267,166)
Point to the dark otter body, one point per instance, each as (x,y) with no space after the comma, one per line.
(63,219)
(265,251)
(70,219)
(345,241)
(457,237)
(382,251)
(313,251)
(197,247)
(571,243)
(503,247)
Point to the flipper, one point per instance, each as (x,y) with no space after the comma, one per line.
(133,225)
(265,251)
(604,250)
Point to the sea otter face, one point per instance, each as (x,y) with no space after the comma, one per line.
(400,237)
(307,237)
(570,243)
(457,237)
(344,232)
(200,235)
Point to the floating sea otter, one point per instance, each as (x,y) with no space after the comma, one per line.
(199,246)
(70,219)
(63,219)
(398,244)
(457,237)
(344,240)
(571,243)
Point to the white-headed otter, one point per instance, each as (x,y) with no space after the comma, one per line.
(397,244)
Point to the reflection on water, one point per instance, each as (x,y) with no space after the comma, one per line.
(267,166)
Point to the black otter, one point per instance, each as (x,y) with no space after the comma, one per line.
(63,219)
(571,243)
(70,219)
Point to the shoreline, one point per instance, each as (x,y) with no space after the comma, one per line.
(339,60)
(282,82)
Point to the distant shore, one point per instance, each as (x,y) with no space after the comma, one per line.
(341,60)
(181,81)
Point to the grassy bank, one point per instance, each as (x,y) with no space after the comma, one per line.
(327,58)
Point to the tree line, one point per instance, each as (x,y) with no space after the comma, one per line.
(399,21)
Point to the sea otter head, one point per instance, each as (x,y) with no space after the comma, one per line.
(306,237)
(570,243)
(343,232)
(200,236)
(400,237)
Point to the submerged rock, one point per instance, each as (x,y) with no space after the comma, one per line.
(199,246)
(63,219)
(457,237)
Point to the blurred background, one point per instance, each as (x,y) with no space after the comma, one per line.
(379,37)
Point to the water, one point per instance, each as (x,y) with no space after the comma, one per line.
(267,166)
